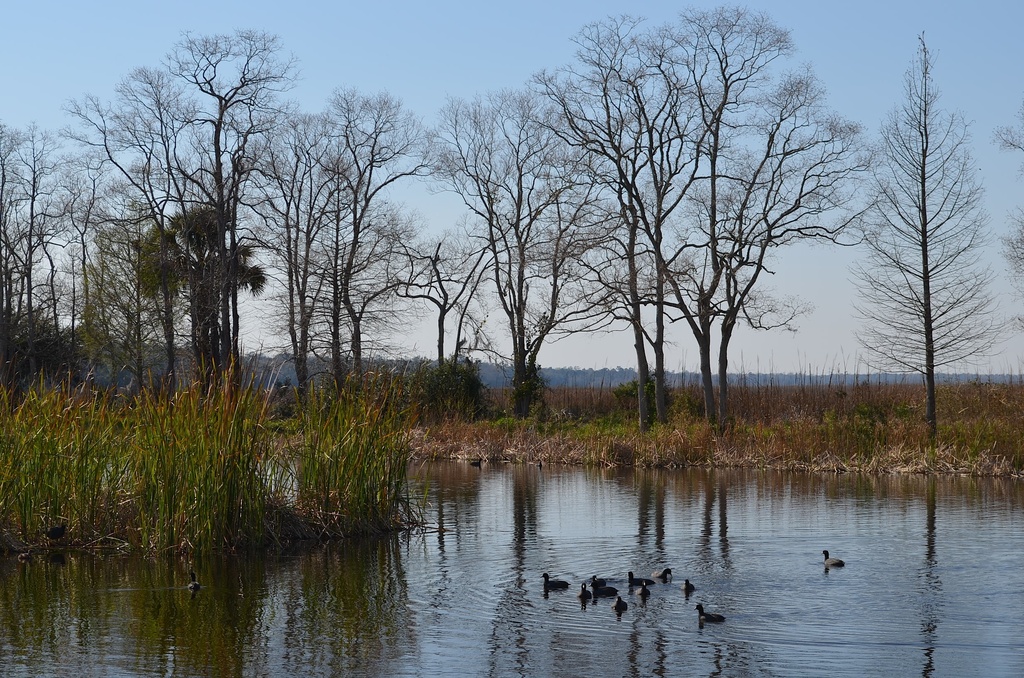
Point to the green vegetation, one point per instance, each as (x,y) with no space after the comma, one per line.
(211,471)
(202,470)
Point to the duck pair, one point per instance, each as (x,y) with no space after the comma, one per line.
(711,617)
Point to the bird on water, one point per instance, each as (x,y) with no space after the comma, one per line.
(703,616)
(643,592)
(584,594)
(604,591)
(664,575)
(56,532)
(637,581)
(619,605)
(193,585)
(554,584)
(832,562)
(688,588)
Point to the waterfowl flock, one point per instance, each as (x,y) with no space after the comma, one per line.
(599,588)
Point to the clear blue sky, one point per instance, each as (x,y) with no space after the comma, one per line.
(423,52)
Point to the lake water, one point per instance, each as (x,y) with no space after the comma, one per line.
(933,585)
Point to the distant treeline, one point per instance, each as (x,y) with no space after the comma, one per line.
(270,370)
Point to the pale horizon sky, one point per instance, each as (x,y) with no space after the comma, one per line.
(425,52)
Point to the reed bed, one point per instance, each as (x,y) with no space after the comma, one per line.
(201,470)
(351,461)
(815,425)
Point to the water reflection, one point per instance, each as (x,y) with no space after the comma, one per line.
(931,585)
(465,596)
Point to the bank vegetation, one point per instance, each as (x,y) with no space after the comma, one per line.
(876,426)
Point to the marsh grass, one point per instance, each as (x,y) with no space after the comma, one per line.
(200,470)
(816,424)
(350,463)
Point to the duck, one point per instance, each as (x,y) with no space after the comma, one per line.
(476,462)
(554,584)
(832,562)
(594,581)
(604,591)
(664,575)
(25,556)
(634,581)
(56,532)
(688,588)
(584,594)
(644,591)
(703,616)
(193,585)
(619,605)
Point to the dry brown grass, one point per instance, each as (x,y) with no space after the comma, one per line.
(816,426)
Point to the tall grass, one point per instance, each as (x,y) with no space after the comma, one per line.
(200,470)
(196,463)
(351,462)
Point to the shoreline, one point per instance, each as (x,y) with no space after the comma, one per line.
(653,451)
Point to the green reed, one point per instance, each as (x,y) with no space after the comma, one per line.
(197,465)
(54,467)
(199,470)
(350,466)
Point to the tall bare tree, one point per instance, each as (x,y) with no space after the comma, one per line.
(294,201)
(924,294)
(374,144)
(11,271)
(522,186)
(776,166)
(35,232)
(141,136)
(236,80)
(628,105)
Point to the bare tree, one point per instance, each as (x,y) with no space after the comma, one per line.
(923,291)
(446,275)
(294,198)
(35,232)
(237,79)
(140,135)
(522,187)
(774,164)
(83,188)
(627,104)
(374,144)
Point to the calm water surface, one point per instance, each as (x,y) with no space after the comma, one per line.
(933,585)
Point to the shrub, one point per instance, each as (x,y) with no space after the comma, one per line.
(452,389)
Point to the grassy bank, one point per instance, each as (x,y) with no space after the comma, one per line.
(201,471)
(215,471)
(869,426)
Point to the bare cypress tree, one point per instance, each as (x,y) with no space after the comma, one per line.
(923,290)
